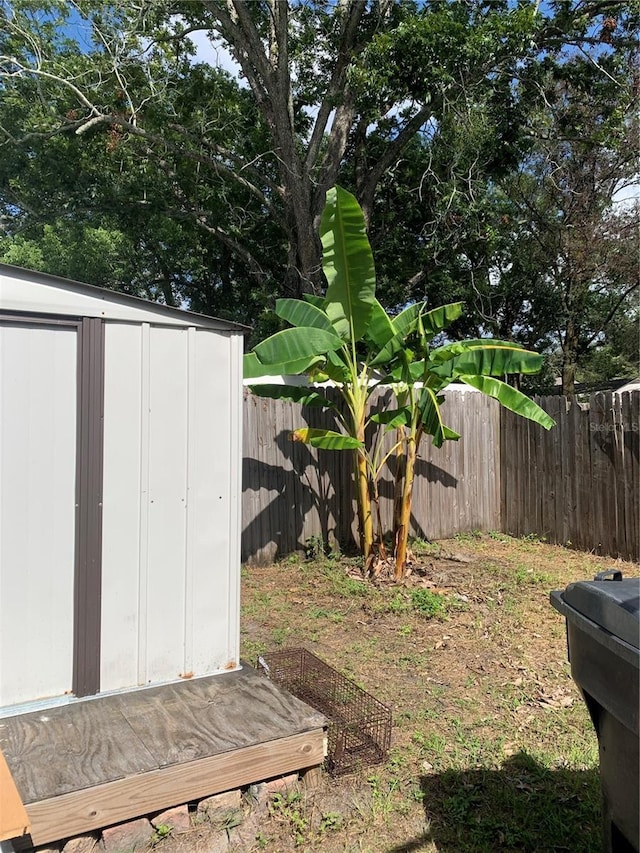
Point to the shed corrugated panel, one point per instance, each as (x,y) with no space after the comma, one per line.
(213,502)
(38,368)
(167,521)
(124,488)
(169,500)
(20,295)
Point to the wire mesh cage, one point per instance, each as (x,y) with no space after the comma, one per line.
(359,730)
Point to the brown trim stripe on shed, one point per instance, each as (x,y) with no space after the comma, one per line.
(89,471)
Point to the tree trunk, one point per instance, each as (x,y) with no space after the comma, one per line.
(569,359)
(304,273)
(379,534)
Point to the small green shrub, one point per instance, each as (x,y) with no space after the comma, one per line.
(429,604)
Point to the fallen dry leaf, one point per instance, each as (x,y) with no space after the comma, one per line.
(558,699)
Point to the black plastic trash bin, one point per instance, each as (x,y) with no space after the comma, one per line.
(603,640)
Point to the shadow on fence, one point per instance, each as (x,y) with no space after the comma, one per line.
(575,485)
(293,493)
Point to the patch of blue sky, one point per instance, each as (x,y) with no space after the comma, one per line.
(214,52)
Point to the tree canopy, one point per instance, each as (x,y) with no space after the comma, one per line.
(176,179)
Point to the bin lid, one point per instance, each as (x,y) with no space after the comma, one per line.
(613,605)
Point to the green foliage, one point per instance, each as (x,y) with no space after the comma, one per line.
(289,807)
(485,209)
(231,820)
(99,255)
(429,604)
(348,337)
(331,821)
(314,547)
(162,831)
(348,266)
(207,191)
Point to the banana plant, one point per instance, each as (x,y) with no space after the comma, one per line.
(421,376)
(345,337)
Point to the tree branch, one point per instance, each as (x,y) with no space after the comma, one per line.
(367,191)
(238,30)
(97,116)
(336,84)
(613,311)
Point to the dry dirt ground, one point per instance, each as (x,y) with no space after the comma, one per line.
(492,748)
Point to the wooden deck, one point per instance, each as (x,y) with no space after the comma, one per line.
(100,761)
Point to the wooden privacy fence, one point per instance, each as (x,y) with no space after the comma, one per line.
(577,484)
(294,494)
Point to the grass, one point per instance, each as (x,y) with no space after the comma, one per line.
(492,747)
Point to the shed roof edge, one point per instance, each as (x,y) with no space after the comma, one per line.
(125,299)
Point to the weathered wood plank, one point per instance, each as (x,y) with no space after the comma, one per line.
(574,450)
(546,492)
(532,499)
(568,473)
(191,720)
(558,439)
(609,539)
(103,805)
(60,750)
(495,471)
(14,820)
(521,475)
(584,535)
(537,449)
(631,441)
(101,740)
(505,478)
(597,427)
(617,451)
(513,487)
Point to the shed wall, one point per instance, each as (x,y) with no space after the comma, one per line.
(38,366)
(170,503)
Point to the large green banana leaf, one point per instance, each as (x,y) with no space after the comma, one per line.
(294,344)
(380,329)
(333,368)
(402,325)
(347,264)
(449,351)
(510,398)
(294,393)
(312,299)
(325,438)
(405,322)
(431,417)
(252,368)
(492,358)
(437,319)
(415,316)
(392,418)
(300,313)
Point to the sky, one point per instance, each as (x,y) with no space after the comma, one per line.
(218,56)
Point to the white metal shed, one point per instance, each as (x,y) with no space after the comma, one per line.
(120,486)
